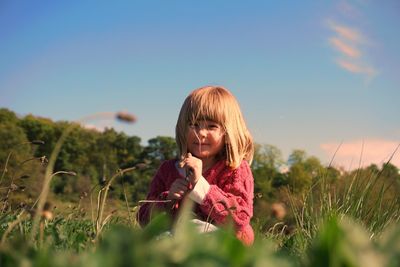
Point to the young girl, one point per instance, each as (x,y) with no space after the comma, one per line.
(215,151)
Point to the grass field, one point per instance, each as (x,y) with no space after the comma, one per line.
(333,231)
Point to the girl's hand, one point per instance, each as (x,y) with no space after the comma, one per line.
(195,168)
(178,189)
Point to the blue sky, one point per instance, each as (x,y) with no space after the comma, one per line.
(308,74)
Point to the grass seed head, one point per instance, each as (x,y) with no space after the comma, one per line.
(47,213)
(278,210)
(126,117)
(37,142)
(83,195)
(43,160)
(141,166)
(14,187)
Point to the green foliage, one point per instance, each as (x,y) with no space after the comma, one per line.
(160,148)
(14,141)
(299,179)
(339,241)
(94,156)
(15,156)
(303,171)
(342,242)
(389,245)
(265,167)
(267,156)
(41,129)
(151,246)
(7,116)
(367,197)
(297,156)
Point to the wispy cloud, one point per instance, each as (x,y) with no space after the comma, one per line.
(348,33)
(356,68)
(344,48)
(365,152)
(350,43)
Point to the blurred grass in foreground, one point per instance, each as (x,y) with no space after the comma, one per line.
(338,242)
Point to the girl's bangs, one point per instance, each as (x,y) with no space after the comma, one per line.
(206,110)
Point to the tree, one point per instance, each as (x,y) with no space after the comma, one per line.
(128,150)
(14,152)
(299,179)
(14,141)
(391,176)
(265,168)
(159,149)
(42,129)
(313,166)
(332,174)
(390,171)
(7,116)
(297,156)
(104,154)
(303,170)
(267,156)
(75,155)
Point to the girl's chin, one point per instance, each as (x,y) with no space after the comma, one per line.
(200,155)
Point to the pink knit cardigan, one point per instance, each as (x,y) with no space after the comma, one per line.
(230,195)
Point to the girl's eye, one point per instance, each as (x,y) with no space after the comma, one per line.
(193,125)
(213,127)
(207,126)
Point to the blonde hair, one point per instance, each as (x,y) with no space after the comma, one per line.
(217,104)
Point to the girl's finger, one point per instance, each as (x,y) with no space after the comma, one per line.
(181,188)
(184,182)
(180,181)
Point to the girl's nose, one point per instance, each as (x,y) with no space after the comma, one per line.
(203,131)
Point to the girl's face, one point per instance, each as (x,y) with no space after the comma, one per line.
(205,139)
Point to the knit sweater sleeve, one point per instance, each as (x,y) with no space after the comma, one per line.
(234,198)
(157,193)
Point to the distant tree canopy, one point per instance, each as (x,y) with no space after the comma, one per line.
(95,156)
(266,169)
